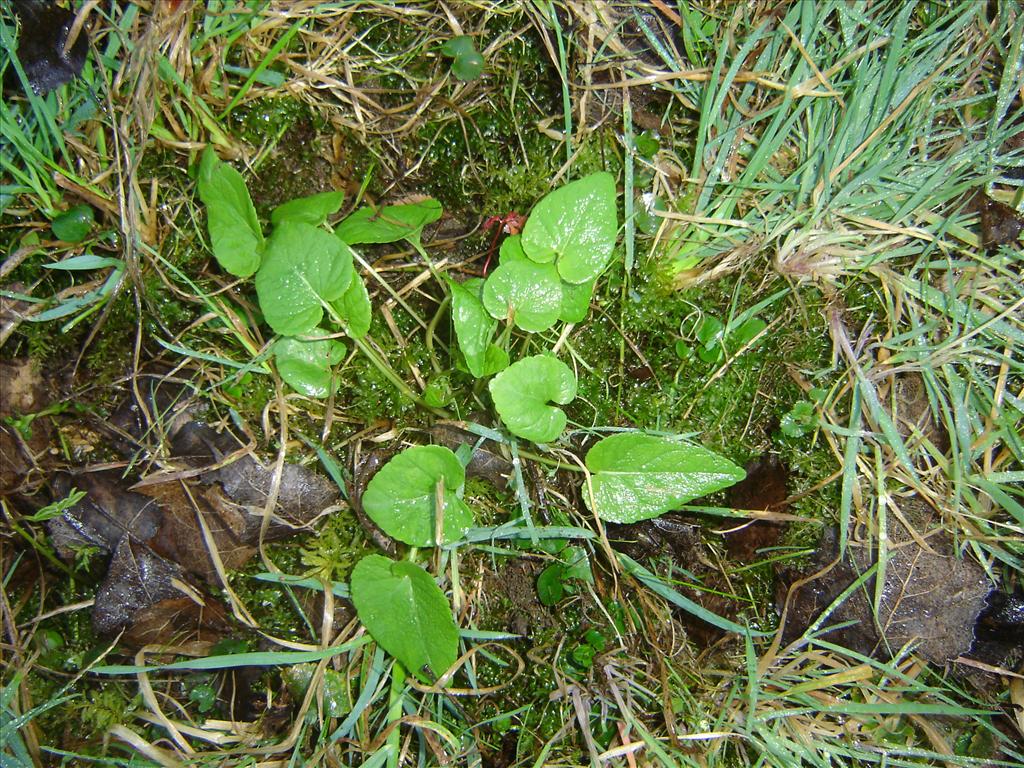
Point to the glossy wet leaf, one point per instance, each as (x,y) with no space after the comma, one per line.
(575,301)
(74,224)
(336,701)
(528,293)
(389,223)
(474,327)
(402,497)
(709,331)
(636,476)
(354,307)
(406,613)
(523,394)
(303,268)
(575,226)
(307,366)
(235,234)
(313,209)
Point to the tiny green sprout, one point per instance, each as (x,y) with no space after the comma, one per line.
(201,692)
(235,386)
(467,63)
(438,393)
(799,420)
(646,144)
(57,508)
(714,338)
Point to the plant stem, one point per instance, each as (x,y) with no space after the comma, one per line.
(394,739)
(382,365)
(430,333)
(391,375)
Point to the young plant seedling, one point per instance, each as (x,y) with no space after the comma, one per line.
(415,498)
(547,274)
(303,271)
(467,63)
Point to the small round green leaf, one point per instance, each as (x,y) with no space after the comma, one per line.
(523,392)
(637,476)
(407,614)
(74,224)
(354,308)
(388,224)
(402,497)
(304,268)
(313,209)
(307,366)
(746,333)
(468,66)
(575,226)
(458,46)
(529,294)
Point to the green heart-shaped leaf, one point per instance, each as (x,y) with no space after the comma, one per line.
(575,226)
(402,497)
(235,233)
(307,366)
(354,308)
(405,611)
(529,294)
(304,267)
(638,476)
(474,327)
(522,394)
(388,224)
(310,210)
(74,224)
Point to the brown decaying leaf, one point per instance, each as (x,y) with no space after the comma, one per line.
(931,596)
(177,621)
(999,223)
(136,579)
(107,513)
(180,536)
